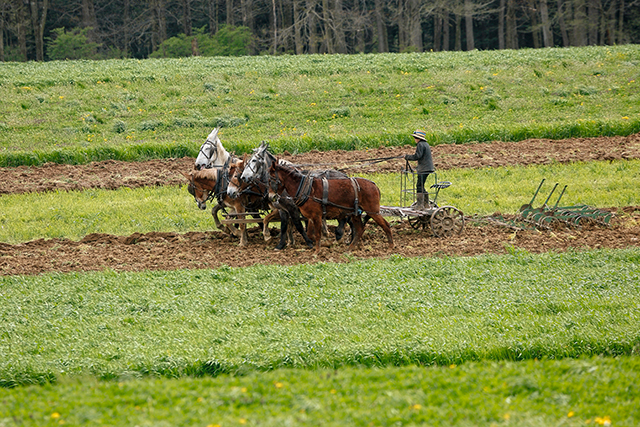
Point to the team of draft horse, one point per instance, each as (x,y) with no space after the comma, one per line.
(263,182)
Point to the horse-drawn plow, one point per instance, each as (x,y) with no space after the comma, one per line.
(547,217)
(442,221)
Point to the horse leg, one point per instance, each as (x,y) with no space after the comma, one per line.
(296,218)
(379,219)
(244,235)
(314,229)
(284,229)
(216,220)
(290,237)
(340,229)
(325,230)
(359,230)
(265,223)
(297,222)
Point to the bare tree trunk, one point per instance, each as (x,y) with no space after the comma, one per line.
(231,21)
(458,41)
(512,28)
(22,22)
(297,27)
(326,24)
(38,21)
(275,28)
(580,23)
(503,5)
(535,27)
(620,22)
(562,24)
(361,24)
(89,20)
(445,29)
(338,23)
(213,16)
(383,44)
(186,17)
(314,38)
(401,18)
(611,23)
(126,32)
(468,19)
(415,25)
(437,30)
(593,13)
(2,25)
(159,23)
(547,35)
(247,13)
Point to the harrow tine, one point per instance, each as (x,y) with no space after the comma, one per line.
(530,204)
(561,194)
(550,194)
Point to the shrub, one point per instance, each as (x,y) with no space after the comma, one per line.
(228,41)
(71,45)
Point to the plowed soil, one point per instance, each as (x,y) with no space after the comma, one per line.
(167,251)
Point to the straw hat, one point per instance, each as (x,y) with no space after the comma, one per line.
(420,134)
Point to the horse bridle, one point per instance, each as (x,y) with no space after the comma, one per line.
(214,150)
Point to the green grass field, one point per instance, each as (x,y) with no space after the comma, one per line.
(569,392)
(249,327)
(76,111)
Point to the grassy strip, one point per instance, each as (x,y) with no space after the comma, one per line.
(595,391)
(393,312)
(75,214)
(78,111)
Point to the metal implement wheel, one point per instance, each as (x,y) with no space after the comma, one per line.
(447,221)
(419,222)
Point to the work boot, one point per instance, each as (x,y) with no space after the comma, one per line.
(419,201)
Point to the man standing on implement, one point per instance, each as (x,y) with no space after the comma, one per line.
(425,166)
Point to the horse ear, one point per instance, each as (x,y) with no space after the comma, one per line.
(189,175)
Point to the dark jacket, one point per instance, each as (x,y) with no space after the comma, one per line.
(423,156)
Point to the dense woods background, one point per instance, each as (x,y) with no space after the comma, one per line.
(95,29)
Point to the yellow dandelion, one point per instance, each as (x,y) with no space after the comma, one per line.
(213,425)
(242,421)
(625,118)
(570,414)
(55,415)
(278,385)
(453,365)
(416,407)
(333,391)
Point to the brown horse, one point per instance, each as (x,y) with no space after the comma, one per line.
(330,198)
(288,211)
(210,184)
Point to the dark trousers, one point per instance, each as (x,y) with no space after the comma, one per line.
(420,182)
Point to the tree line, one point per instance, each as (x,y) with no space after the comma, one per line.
(51,29)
